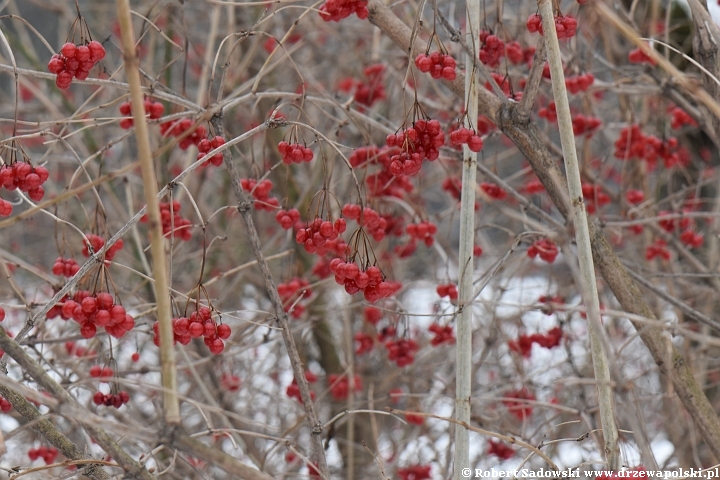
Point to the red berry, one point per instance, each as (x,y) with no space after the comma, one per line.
(68,50)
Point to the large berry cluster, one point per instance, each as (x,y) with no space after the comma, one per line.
(48,454)
(171,218)
(421,141)
(632,143)
(545,249)
(153,110)
(92,310)
(438,65)
(26,178)
(261,193)
(200,323)
(336,10)
(116,400)
(206,146)
(75,61)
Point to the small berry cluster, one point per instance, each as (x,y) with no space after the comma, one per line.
(657,249)
(496,192)
(48,454)
(416,143)
(319,232)
(368,219)
(692,239)
(340,385)
(402,351)
(199,324)
(261,192)
(424,231)
(632,143)
(565,25)
(96,371)
(680,118)
(468,137)
(382,183)
(290,292)
(116,400)
(229,382)
(500,449)
(293,391)
(153,110)
(414,419)
(366,343)
(585,125)
(415,472)
(493,48)
(22,176)
(447,290)
(520,409)
(98,310)
(5,405)
(369,91)
(369,281)
(75,61)
(336,10)
(97,242)
(638,56)
(437,64)
(206,146)
(65,267)
(294,153)
(443,334)
(177,128)
(287,218)
(579,83)
(523,344)
(545,249)
(171,218)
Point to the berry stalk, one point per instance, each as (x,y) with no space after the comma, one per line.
(157,247)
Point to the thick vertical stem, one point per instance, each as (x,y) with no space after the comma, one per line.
(582,237)
(157,247)
(463,367)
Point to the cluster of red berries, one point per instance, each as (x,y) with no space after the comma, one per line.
(442,334)
(177,128)
(402,351)
(523,344)
(75,61)
(680,118)
(545,249)
(579,83)
(369,281)
(520,409)
(437,64)
(424,232)
(199,324)
(466,136)
(533,186)
(367,218)
(96,371)
(319,232)
(207,145)
(369,91)
(153,110)
(416,143)
(415,472)
(366,343)
(26,178)
(116,400)
(635,197)
(515,53)
(340,385)
(492,49)
(293,391)
(92,310)
(549,113)
(261,193)
(289,293)
(336,10)
(584,125)
(447,290)
(496,192)
(657,249)
(692,239)
(382,183)
(565,25)
(97,242)
(287,218)
(294,153)
(669,224)
(48,454)
(65,267)
(500,449)
(632,143)
(415,419)
(638,56)
(172,221)
(594,197)
(5,405)
(229,382)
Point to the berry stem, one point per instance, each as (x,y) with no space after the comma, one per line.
(157,246)
(588,286)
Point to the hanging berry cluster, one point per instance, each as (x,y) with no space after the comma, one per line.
(492,49)
(18,174)
(65,267)
(116,400)
(171,218)
(261,193)
(93,310)
(177,128)
(374,224)
(402,351)
(423,231)
(368,280)
(632,143)
(319,232)
(417,143)
(443,334)
(287,218)
(75,61)
(336,10)
(545,249)
(200,323)
(153,110)
(579,83)
(437,64)
(48,454)
(447,290)
(465,136)
(565,25)
(206,146)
